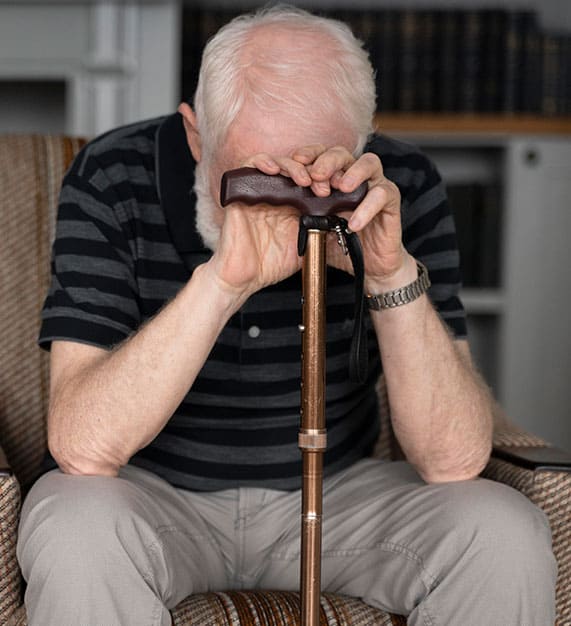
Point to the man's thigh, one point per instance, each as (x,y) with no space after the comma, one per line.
(392,539)
(136,523)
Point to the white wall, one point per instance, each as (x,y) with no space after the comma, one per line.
(118,61)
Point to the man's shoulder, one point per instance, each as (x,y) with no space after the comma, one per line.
(386,147)
(405,164)
(137,138)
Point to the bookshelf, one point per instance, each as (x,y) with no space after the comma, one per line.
(427,124)
(518,328)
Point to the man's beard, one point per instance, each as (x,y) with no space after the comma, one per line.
(206,208)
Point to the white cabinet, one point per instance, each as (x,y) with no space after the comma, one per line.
(535,342)
(520,330)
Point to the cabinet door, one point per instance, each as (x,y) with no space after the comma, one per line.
(536,334)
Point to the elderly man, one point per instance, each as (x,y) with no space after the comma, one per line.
(173,326)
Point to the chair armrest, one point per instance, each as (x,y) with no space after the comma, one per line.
(541,472)
(10,587)
(539,458)
(550,490)
(5,469)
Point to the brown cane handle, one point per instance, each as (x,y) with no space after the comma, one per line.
(250,186)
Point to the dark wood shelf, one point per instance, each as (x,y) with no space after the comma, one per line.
(426,123)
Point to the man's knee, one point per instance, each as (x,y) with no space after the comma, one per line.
(68,521)
(500,528)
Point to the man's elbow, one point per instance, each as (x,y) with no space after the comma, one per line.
(77,461)
(466,469)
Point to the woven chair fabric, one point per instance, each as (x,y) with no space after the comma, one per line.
(31,169)
(550,491)
(9,571)
(275,608)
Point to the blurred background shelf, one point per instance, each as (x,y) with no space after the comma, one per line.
(481,301)
(426,124)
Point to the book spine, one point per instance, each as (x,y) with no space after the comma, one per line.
(529,79)
(489,236)
(463,201)
(550,74)
(564,103)
(408,58)
(492,74)
(388,51)
(470,60)
(446,55)
(516,24)
(426,67)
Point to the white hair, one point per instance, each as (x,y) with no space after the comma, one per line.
(234,71)
(206,207)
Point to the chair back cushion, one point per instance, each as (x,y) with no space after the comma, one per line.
(31,170)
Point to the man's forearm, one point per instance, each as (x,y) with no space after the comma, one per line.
(120,400)
(440,408)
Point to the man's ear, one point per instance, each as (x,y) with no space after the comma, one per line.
(191,130)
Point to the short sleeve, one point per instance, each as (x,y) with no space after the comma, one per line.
(92,297)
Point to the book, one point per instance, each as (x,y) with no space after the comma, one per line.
(409,28)
(463,199)
(489,236)
(477,212)
(550,60)
(517,24)
(425,99)
(469,61)
(387,51)
(530,79)
(448,39)
(491,70)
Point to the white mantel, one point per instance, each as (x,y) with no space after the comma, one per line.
(119,60)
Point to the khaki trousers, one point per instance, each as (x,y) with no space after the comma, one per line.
(100,551)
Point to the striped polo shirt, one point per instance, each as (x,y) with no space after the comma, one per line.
(126,243)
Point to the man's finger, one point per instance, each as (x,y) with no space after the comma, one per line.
(367,167)
(308,154)
(295,170)
(329,162)
(383,198)
(263,162)
(280,165)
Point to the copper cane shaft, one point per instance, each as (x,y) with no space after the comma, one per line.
(252,186)
(312,436)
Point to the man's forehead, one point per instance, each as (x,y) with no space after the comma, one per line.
(279,133)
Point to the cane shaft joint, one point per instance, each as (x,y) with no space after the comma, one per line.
(312,439)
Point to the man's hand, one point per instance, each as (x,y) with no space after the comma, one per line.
(258,243)
(257,247)
(377,218)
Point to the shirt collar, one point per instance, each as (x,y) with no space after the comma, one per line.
(175,185)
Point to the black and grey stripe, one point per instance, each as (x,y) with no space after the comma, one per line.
(125,245)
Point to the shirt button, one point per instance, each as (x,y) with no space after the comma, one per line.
(254,332)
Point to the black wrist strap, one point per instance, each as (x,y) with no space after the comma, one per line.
(358,354)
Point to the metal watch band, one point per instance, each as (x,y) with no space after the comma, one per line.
(404,295)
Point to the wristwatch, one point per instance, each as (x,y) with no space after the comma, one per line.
(404,295)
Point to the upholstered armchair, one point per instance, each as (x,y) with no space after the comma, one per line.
(31,169)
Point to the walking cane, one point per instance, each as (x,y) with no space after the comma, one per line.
(317,218)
